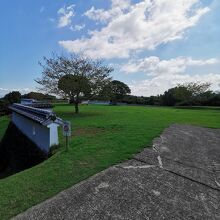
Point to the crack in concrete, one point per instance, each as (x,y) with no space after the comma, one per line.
(160,161)
(180,175)
(191,166)
(217,183)
(136,167)
(196,181)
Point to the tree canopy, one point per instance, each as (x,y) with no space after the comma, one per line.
(73,86)
(38,96)
(13,97)
(186,94)
(116,90)
(73,76)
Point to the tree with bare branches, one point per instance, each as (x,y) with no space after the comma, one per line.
(190,91)
(73,76)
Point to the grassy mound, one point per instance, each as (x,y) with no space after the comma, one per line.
(17,152)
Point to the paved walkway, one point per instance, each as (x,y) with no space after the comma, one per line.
(178,178)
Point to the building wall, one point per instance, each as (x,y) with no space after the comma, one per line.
(96,102)
(53,134)
(27,101)
(38,133)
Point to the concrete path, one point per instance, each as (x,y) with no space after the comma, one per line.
(178,178)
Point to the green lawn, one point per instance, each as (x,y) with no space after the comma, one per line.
(102,136)
(3,125)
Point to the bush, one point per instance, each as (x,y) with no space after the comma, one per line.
(39,96)
(4,107)
(13,97)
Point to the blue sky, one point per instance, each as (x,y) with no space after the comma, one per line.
(152,45)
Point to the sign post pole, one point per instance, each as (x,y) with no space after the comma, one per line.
(67,143)
(67,132)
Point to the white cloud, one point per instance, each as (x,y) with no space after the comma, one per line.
(202,62)
(164,74)
(135,27)
(65,16)
(159,84)
(4,91)
(77,27)
(122,4)
(118,8)
(153,66)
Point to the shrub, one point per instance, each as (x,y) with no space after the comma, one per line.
(4,107)
(13,97)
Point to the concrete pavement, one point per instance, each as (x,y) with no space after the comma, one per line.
(178,178)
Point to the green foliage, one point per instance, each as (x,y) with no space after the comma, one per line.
(4,120)
(4,107)
(191,94)
(83,72)
(38,96)
(211,99)
(188,94)
(181,93)
(196,89)
(169,97)
(102,136)
(73,86)
(115,91)
(141,100)
(10,98)
(13,97)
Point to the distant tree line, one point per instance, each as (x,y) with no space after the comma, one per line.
(39,96)
(7,100)
(15,97)
(77,78)
(189,94)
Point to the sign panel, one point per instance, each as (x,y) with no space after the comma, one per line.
(67,128)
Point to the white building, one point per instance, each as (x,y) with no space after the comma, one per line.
(37,104)
(38,125)
(98,102)
(28,101)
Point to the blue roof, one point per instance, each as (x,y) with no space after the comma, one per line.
(42,116)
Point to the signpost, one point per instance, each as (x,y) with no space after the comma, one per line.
(67,132)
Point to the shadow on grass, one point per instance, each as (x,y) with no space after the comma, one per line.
(80,114)
(198,107)
(17,152)
(62,104)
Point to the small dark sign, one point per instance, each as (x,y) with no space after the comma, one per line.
(67,128)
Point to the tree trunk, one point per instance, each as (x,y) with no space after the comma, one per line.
(76,107)
(77,104)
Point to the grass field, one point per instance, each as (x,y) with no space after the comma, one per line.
(3,125)
(102,136)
